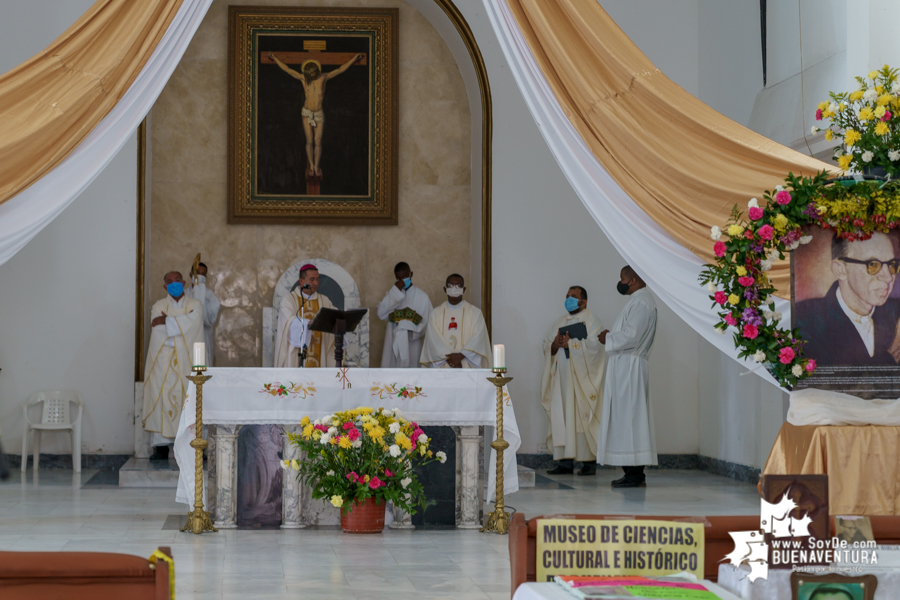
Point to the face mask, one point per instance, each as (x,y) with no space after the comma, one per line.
(407,283)
(622,288)
(454,292)
(175,289)
(571,304)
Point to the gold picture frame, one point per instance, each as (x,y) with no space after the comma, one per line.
(313,115)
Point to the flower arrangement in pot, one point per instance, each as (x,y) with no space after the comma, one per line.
(361,459)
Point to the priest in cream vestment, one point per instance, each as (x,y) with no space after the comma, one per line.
(406,308)
(293,327)
(456,336)
(572,387)
(176,324)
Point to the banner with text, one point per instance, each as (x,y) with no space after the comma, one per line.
(598,547)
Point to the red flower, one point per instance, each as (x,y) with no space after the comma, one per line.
(786,355)
(353,434)
(375,483)
(719,248)
(887,116)
(721,297)
(730,319)
(348,426)
(783,197)
(756,213)
(766,232)
(388,473)
(746,281)
(818,114)
(750,331)
(352,476)
(810,365)
(748,234)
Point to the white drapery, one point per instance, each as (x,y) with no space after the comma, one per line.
(23,216)
(669,269)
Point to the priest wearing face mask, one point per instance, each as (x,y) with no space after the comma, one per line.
(456,336)
(627,438)
(298,310)
(176,325)
(572,385)
(406,308)
(211,305)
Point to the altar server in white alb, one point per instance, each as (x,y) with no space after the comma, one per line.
(298,309)
(572,385)
(211,305)
(456,336)
(626,428)
(176,325)
(406,308)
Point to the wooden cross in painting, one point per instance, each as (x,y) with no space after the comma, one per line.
(313,79)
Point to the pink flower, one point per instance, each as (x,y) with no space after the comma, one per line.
(388,473)
(322,428)
(730,320)
(746,281)
(818,114)
(414,425)
(415,435)
(786,355)
(783,197)
(766,232)
(353,434)
(361,479)
(750,331)
(756,213)
(352,476)
(887,116)
(721,297)
(810,366)
(348,426)
(375,483)
(719,248)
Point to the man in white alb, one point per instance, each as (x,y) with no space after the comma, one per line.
(456,336)
(572,385)
(298,309)
(406,308)
(176,325)
(210,307)
(627,438)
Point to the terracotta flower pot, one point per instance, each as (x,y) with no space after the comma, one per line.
(366,517)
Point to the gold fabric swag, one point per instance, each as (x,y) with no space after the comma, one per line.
(684,164)
(52,101)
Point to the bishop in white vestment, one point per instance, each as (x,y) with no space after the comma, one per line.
(406,308)
(297,311)
(211,307)
(456,336)
(176,324)
(627,438)
(572,387)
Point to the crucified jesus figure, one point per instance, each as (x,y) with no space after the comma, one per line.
(314,81)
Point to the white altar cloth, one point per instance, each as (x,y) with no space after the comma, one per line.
(238,396)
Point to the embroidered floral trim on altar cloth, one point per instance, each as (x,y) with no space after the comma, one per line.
(385,391)
(294,390)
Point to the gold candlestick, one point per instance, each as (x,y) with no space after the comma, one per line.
(198,520)
(498,520)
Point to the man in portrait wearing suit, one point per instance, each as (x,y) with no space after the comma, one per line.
(855,323)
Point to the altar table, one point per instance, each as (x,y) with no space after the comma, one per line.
(862,463)
(241,396)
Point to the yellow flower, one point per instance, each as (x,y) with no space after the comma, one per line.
(842,107)
(851,136)
(367,478)
(873,75)
(344,442)
(333,441)
(879,111)
(827,114)
(337,501)
(879,88)
(430,454)
(317,435)
(822,105)
(733,299)
(844,161)
(865,114)
(854,96)
(735,230)
(781,222)
(829,134)
(304,421)
(884,100)
(295,464)
(308,430)
(401,440)
(882,128)
(377,433)
(741,271)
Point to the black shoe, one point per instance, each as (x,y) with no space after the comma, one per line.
(559,470)
(617,481)
(587,469)
(160,453)
(630,483)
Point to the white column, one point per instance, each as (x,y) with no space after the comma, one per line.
(290,485)
(226,477)
(467,478)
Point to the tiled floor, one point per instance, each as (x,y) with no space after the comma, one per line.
(66,511)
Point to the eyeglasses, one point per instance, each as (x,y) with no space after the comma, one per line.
(873,265)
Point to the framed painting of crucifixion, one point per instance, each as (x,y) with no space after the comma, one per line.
(313,115)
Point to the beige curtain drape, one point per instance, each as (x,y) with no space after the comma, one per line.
(683,163)
(49,103)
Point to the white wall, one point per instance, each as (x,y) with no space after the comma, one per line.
(67,299)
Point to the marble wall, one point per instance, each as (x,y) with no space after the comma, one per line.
(188,196)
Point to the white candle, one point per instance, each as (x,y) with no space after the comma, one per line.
(199,354)
(499,356)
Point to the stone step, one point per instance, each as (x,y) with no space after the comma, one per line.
(526,477)
(146,473)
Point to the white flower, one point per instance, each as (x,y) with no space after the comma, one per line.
(712,287)
(394,427)
(895,87)
(797,370)
(759,356)
(870,95)
(894,155)
(833,107)
(285,464)
(765,265)
(719,331)
(356,443)
(778,188)
(295,464)
(327,418)
(868,155)
(805,239)
(441,456)
(332,430)
(715,233)
(325,438)
(317,422)
(405,482)
(773,255)
(330,473)
(754,203)
(776,316)
(422,439)
(794,245)
(397,412)
(387,413)
(394,450)
(814,130)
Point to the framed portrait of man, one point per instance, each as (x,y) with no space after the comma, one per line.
(313,115)
(832,586)
(846,307)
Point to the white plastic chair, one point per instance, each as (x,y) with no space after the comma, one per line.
(55,417)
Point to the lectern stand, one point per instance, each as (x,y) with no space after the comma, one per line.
(338,322)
